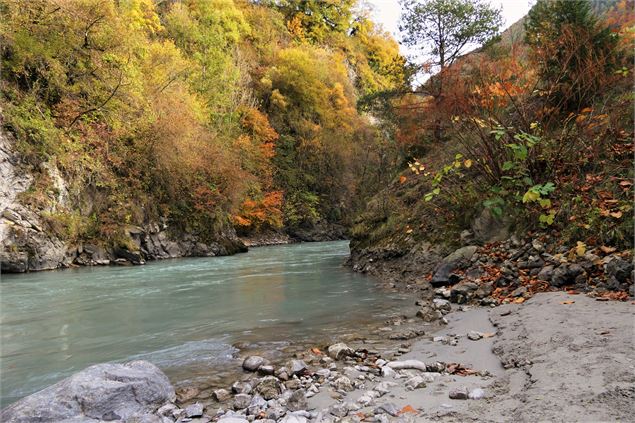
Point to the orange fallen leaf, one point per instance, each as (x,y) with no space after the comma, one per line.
(616,214)
(519,300)
(402,179)
(607,250)
(567,302)
(408,409)
(316,351)
(572,292)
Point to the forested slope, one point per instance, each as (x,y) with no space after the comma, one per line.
(151,129)
(531,138)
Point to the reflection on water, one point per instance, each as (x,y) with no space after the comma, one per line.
(180,314)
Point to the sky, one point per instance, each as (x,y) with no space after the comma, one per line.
(387,13)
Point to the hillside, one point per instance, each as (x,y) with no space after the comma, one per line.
(207,120)
(524,157)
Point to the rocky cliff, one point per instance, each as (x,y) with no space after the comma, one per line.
(28,244)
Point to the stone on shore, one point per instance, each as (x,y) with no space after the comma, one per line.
(252,363)
(101,392)
(339,351)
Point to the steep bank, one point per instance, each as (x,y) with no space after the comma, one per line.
(29,242)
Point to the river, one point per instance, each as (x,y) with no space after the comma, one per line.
(184,315)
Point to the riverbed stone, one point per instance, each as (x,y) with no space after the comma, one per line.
(269,387)
(339,351)
(194,410)
(253,362)
(296,367)
(297,401)
(221,395)
(458,393)
(241,387)
(241,401)
(343,383)
(119,391)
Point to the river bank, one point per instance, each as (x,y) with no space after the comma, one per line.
(556,357)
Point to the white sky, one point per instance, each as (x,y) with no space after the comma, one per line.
(387,13)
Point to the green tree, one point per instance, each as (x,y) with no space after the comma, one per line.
(443,29)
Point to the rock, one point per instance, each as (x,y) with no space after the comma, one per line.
(187,393)
(241,388)
(252,363)
(342,383)
(462,292)
(297,401)
(293,418)
(338,410)
(194,410)
(233,419)
(436,367)
(293,384)
(442,304)
(389,408)
(339,351)
(266,370)
(241,401)
(521,291)
(565,274)
(323,373)
(458,393)
(104,391)
(618,268)
(458,259)
(221,395)
(282,373)
(429,314)
(296,367)
(387,371)
(489,228)
(407,364)
(474,336)
(476,394)
(256,405)
(269,387)
(484,290)
(167,410)
(546,273)
(415,382)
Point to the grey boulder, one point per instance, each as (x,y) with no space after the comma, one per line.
(101,392)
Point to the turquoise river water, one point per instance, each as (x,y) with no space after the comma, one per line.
(184,315)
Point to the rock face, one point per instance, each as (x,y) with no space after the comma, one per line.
(100,392)
(28,244)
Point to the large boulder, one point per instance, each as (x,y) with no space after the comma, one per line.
(101,392)
(458,259)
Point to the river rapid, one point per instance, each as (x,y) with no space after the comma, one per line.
(188,316)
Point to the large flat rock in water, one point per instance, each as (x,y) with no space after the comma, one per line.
(101,392)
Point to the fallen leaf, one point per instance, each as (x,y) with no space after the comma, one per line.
(519,300)
(580,248)
(626,183)
(402,179)
(316,351)
(572,292)
(616,214)
(567,302)
(488,334)
(607,250)
(409,231)
(408,409)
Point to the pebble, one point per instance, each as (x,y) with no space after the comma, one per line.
(458,393)
(390,408)
(194,410)
(474,336)
(476,394)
